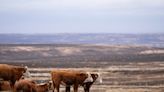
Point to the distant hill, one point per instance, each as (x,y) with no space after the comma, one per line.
(156,40)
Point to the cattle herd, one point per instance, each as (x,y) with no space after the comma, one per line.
(17,79)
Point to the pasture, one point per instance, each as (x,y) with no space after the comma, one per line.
(123,68)
(134,77)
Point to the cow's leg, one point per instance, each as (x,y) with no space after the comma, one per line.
(87,88)
(75,87)
(12,82)
(53,86)
(67,88)
(58,87)
(56,84)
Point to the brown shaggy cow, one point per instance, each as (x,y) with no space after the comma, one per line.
(5,86)
(11,73)
(30,86)
(87,85)
(68,78)
(25,86)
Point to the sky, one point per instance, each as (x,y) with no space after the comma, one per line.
(81,16)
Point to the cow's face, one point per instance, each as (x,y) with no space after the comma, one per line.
(89,78)
(96,77)
(22,72)
(26,72)
(43,87)
(50,85)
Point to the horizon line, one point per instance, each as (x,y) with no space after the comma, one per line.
(75,33)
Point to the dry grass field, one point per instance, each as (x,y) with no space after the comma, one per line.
(134,77)
(123,68)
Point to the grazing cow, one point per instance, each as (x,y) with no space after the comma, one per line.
(43,87)
(25,86)
(68,78)
(87,85)
(12,73)
(5,86)
(30,86)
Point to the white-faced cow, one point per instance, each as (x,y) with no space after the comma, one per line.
(68,78)
(87,85)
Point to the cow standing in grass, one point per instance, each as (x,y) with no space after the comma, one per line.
(12,73)
(87,85)
(69,78)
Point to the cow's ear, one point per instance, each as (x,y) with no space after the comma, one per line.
(92,74)
(97,75)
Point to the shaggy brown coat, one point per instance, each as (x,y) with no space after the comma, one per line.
(30,86)
(86,85)
(5,86)
(67,77)
(25,86)
(11,73)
